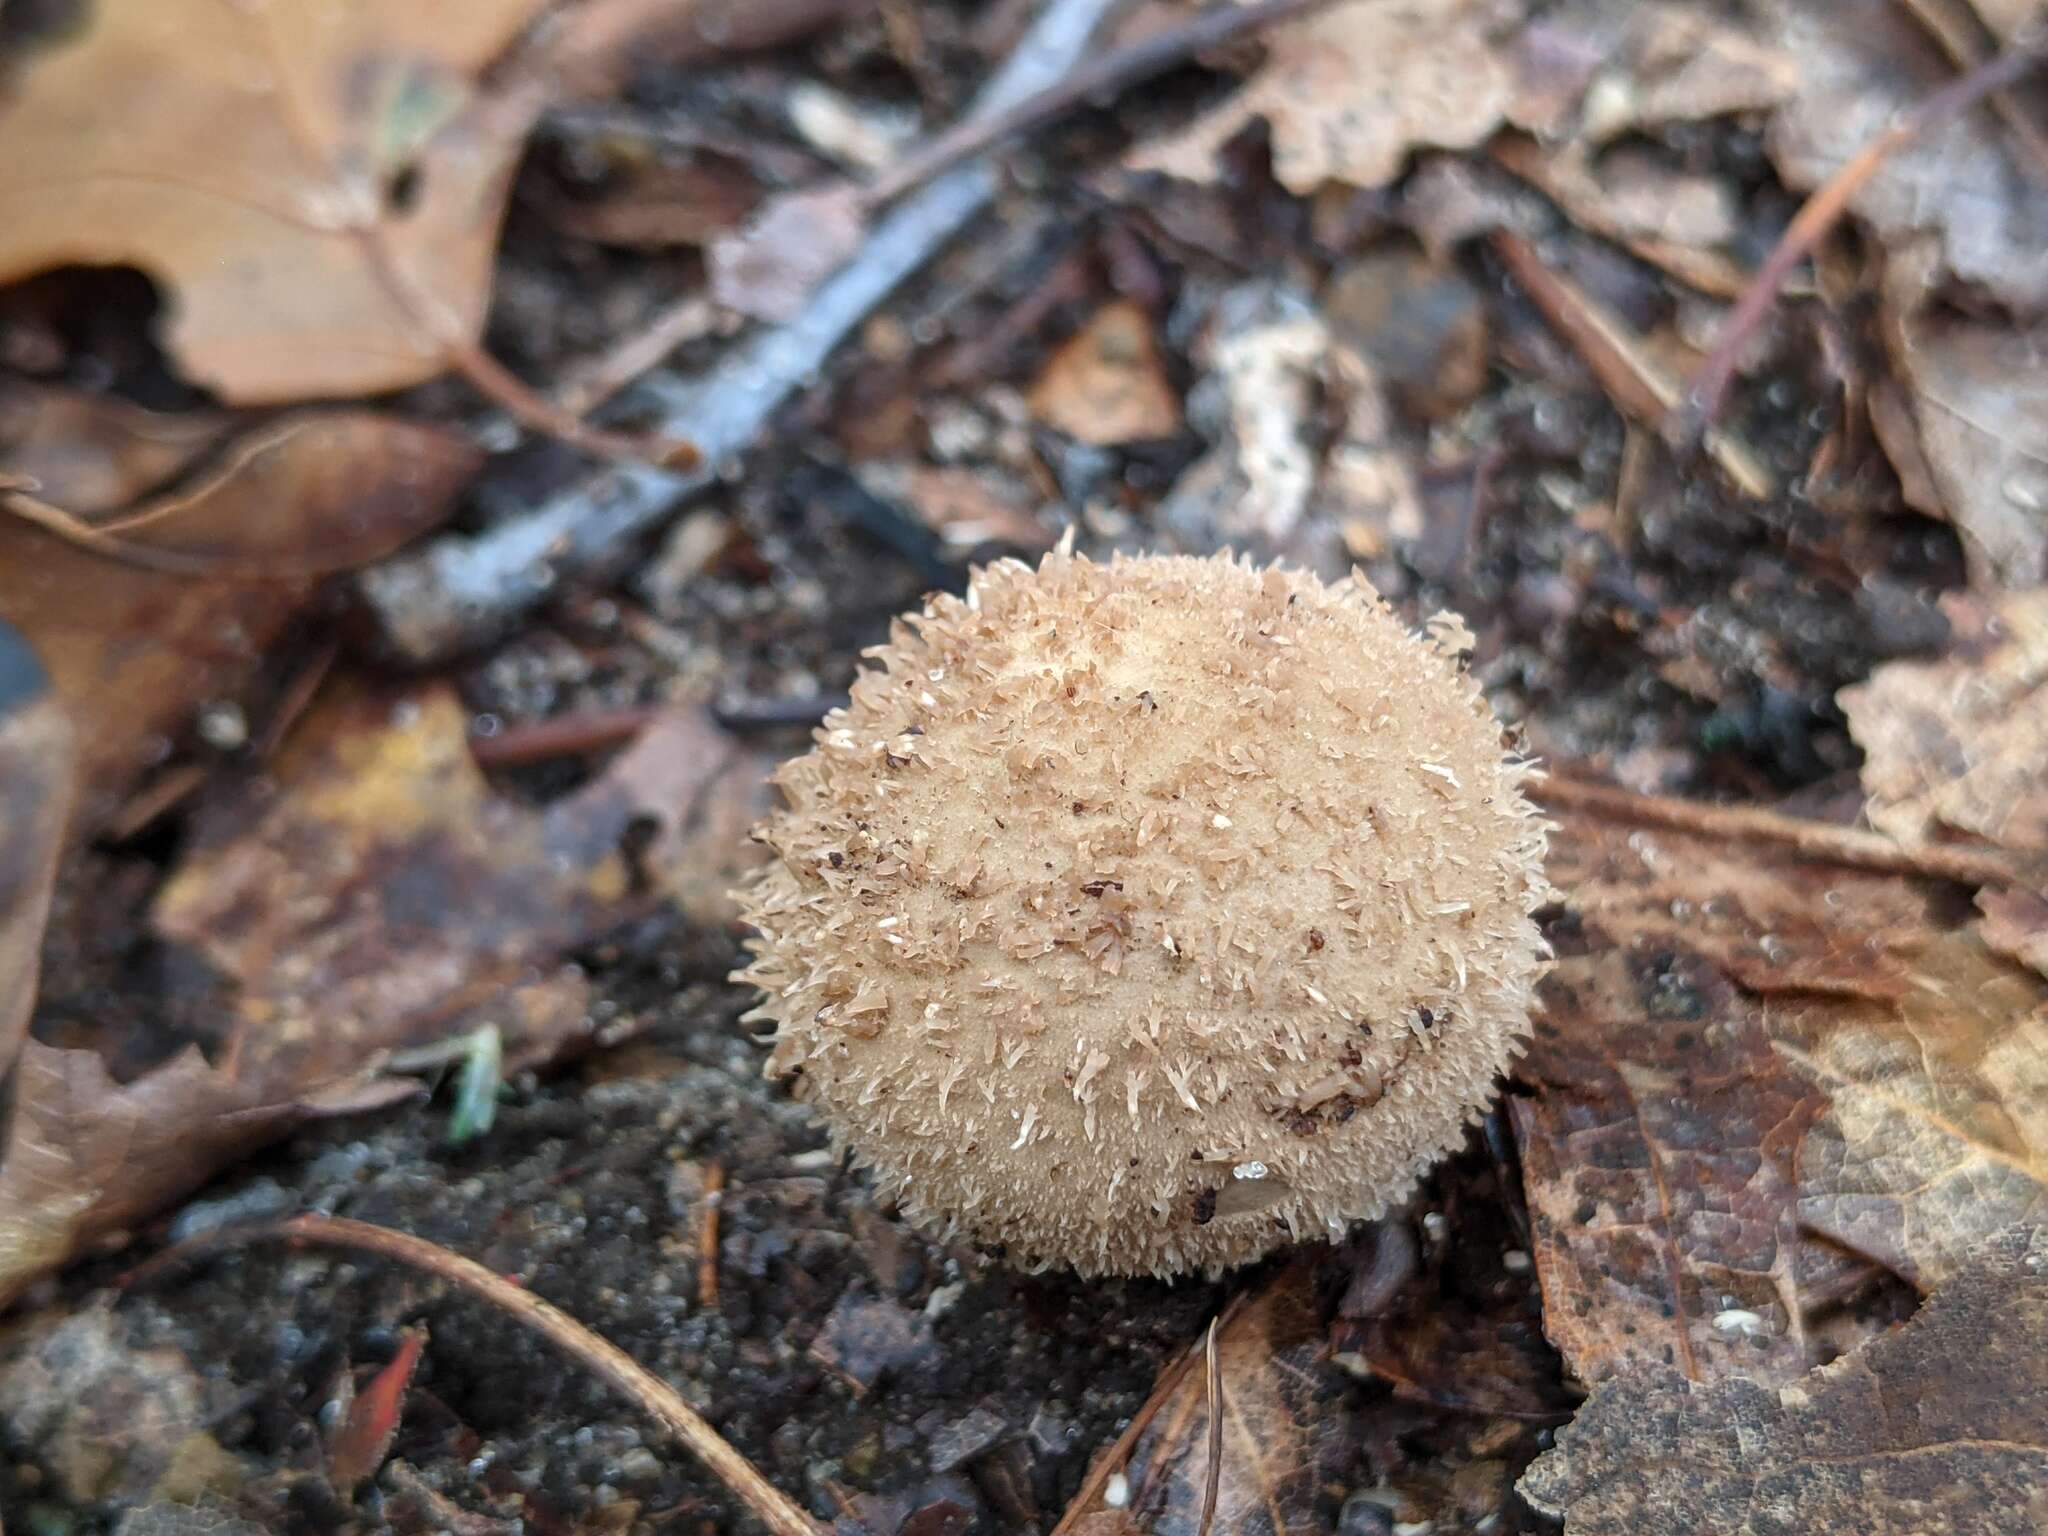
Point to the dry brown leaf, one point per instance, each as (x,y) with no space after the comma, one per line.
(1350,91)
(379,896)
(1107,383)
(1976,393)
(94,453)
(1281,1439)
(86,1157)
(1941,1426)
(1660,1158)
(244,154)
(134,650)
(36,788)
(1937,1130)
(1862,65)
(1683,64)
(1738,1046)
(1960,745)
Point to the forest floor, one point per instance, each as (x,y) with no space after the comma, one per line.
(402,732)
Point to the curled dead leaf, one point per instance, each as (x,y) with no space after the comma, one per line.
(226,560)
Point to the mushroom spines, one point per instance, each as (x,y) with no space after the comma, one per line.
(1138,916)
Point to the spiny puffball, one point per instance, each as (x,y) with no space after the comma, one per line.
(1141,917)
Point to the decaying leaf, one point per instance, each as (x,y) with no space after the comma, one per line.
(379,896)
(1960,745)
(1862,64)
(1107,383)
(1279,1442)
(1350,91)
(1659,1151)
(1975,391)
(1941,1426)
(35,788)
(86,1157)
(1937,1132)
(249,156)
(1738,1045)
(241,544)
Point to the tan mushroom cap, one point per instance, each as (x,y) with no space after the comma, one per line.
(1142,917)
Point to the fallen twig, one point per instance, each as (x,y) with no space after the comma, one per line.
(460,591)
(544,741)
(1639,386)
(1966,864)
(628,1377)
(707,1237)
(1692,418)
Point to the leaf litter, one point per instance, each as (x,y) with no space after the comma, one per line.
(265,187)
(378,896)
(1766,1079)
(1939,1426)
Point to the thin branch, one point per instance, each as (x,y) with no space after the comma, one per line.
(499,384)
(536,412)
(1965,864)
(1695,415)
(1635,381)
(593,382)
(571,735)
(633,1381)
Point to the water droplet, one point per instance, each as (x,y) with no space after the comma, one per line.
(2026,490)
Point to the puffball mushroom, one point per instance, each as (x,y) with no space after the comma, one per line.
(1140,917)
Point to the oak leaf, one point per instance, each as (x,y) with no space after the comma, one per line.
(1351,90)
(316,184)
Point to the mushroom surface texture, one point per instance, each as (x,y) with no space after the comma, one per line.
(1141,917)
